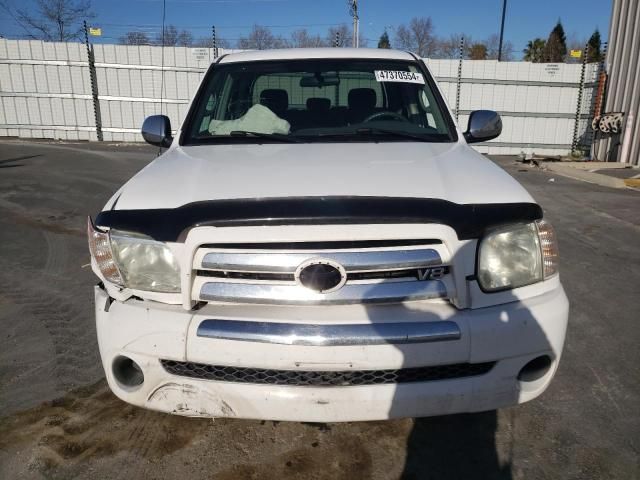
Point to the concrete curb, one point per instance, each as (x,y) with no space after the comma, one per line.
(585,176)
(590,165)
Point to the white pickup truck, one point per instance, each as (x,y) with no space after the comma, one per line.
(319,243)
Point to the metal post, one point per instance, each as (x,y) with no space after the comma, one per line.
(353,10)
(94,84)
(576,127)
(214,45)
(461,55)
(504,11)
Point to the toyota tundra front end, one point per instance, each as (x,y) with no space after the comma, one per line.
(319,243)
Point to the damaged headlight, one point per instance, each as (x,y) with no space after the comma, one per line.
(516,256)
(134,261)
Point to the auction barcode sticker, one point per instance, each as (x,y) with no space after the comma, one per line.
(398,76)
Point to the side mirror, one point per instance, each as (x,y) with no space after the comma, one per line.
(156,130)
(483,125)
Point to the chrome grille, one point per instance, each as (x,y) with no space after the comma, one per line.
(324,378)
(380,260)
(383,273)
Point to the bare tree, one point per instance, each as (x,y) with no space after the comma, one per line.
(207,42)
(493,46)
(185,39)
(135,38)
(303,39)
(55,20)
(574,43)
(345,37)
(174,38)
(417,37)
(168,36)
(450,47)
(341,33)
(261,38)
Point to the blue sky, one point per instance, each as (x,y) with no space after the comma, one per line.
(478,18)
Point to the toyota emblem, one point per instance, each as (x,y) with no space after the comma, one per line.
(321,275)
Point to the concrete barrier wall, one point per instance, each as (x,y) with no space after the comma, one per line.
(45,92)
(537,101)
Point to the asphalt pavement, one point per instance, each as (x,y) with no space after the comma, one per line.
(59,420)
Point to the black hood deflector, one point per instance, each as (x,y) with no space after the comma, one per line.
(171,224)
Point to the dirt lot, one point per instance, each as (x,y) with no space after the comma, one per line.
(59,420)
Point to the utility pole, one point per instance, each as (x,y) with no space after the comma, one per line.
(353,11)
(504,11)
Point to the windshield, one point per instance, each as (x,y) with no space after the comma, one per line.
(318,100)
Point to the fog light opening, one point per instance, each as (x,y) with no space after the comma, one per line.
(535,369)
(127,372)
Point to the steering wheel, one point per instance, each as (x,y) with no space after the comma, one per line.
(394,115)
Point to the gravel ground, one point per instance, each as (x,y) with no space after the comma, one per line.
(59,420)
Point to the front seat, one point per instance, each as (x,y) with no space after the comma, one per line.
(276,100)
(362,103)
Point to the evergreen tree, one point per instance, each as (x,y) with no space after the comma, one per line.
(384,41)
(595,54)
(535,51)
(556,49)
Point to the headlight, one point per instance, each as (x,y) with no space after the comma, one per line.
(516,256)
(135,261)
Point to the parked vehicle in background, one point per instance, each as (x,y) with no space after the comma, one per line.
(319,243)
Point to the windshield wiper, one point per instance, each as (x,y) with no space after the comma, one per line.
(274,136)
(373,131)
(398,133)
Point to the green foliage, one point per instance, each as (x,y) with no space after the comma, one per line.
(384,41)
(535,51)
(594,55)
(556,48)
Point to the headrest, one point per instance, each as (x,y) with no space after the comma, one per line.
(318,104)
(362,98)
(276,100)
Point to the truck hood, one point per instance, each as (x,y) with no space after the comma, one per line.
(447,171)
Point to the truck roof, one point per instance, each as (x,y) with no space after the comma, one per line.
(306,53)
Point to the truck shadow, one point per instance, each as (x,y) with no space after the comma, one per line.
(455,446)
(461,445)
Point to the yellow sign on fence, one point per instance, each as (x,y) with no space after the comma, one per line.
(576,53)
(95,32)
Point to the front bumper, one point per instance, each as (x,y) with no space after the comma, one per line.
(512,335)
